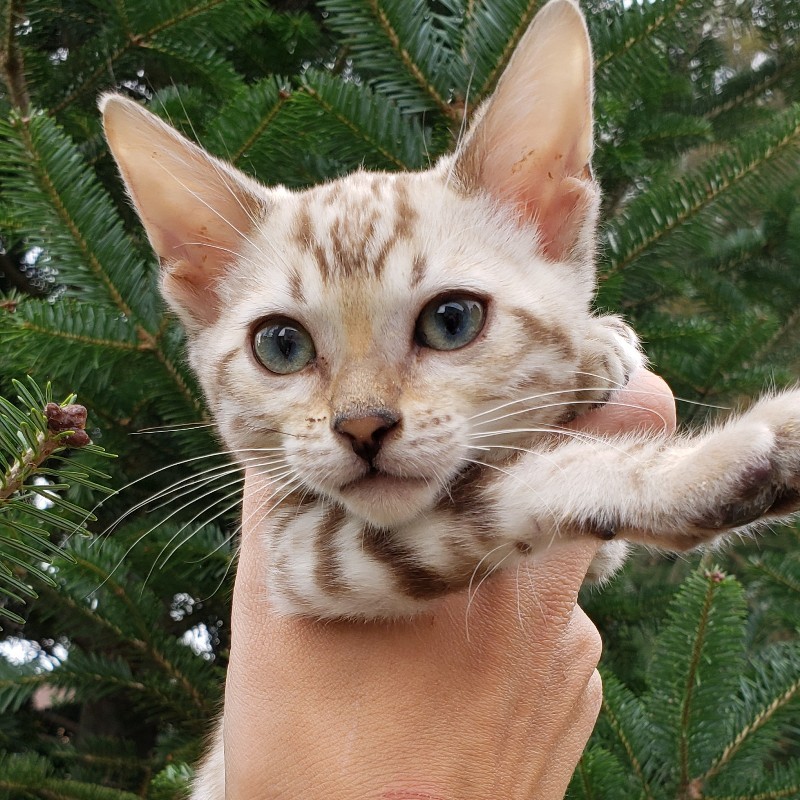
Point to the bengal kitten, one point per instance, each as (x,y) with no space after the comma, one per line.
(399,354)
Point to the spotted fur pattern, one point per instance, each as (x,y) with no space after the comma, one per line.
(476,471)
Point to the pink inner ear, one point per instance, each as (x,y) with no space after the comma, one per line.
(207,252)
(565,218)
(195,298)
(549,196)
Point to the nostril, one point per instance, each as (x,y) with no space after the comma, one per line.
(366,432)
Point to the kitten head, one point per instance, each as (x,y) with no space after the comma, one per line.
(385,331)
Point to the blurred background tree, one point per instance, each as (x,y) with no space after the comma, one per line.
(108,688)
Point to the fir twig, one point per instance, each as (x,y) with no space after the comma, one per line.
(29,440)
(65,428)
(134,40)
(645,33)
(758,722)
(11,60)
(408,62)
(713,579)
(693,194)
(526,16)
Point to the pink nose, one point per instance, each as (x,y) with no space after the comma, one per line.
(366,432)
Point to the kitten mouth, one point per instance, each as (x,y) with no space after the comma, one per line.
(386,499)
(377,479)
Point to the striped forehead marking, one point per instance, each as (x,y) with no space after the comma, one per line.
(351,226)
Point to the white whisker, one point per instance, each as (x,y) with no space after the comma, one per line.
(208,521)
(192,532)
(205,476)
(534,397)
(177,427)
(546,406)
(651,393)
(185,461)
(192,486)
(567,433)
(471,594)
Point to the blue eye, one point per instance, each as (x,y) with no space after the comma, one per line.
(450,321)
(283,345)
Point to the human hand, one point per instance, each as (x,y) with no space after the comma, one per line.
(492,695)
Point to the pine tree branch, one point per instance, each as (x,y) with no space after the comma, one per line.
(19,783)
(122,10)
(65,429)
(468,15)
(12,63)
(691,677)
(262,126)
(790,792)
(723,361)
(690,208)
(528,14)
(777,577)
(144,643)
(119,762)
(175,676)
(755,725)
(148,341)
(618,728)
(28,682)
(28,439)
(757,89)
(134,41)
(205,708)
(113,344)
(358,131)
(22,125)
(787,326)
(644,34)
(409,63)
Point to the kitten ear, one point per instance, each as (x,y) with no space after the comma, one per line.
(532,144)
(197,210)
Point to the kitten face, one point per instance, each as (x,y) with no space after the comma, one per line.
(354,263)
(384,332)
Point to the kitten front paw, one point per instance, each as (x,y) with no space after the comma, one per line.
(741,474)
(611,355)
(768,486)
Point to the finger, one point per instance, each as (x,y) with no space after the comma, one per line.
(579,652)
(538,596)
(568,746)
(645,404)
(561,570)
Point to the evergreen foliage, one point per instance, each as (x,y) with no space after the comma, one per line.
(34,466)
(107,689)
(711,719)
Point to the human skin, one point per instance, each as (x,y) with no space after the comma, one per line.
(491,695)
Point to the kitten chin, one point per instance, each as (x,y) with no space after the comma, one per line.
(387,500)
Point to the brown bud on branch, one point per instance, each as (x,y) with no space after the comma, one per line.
(68,418)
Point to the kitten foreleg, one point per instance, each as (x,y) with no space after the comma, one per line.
(670,492)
